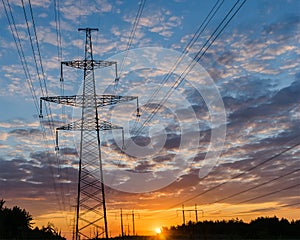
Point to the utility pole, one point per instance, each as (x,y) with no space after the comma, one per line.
(122,229)
(132,215)
(133,226)
(196,213)
(183,215)
(91,204)
(189,210)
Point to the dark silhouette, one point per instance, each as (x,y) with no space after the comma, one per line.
(270,228)
(16,223)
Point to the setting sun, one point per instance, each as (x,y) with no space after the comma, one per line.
(158,230)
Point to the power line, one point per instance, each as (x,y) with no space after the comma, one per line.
(42,81)
(257,186)
(190,44)
(25,65)
(222,25)
(16,37)
(58,29)
(198,56)
(32,48)
(38,62)
(241,174)
(48,109)
(270,193)
(195,37)
(132,34)
(251,188)
(187,48)
(290,205)
(56,4)
(254,187)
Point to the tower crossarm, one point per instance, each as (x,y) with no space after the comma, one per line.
(77,100)
(88,64)
(105,100)
(76,126)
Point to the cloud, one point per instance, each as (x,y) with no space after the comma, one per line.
(3,136)
(144,166)
(74,11)
(43,4)
(68,151)
(159,21)
(41,176)
(255,53)
(25,132)
(279,104)
(266,209)
(283,29)
(224,173)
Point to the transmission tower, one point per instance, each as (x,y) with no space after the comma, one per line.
(195,210)
(91,205)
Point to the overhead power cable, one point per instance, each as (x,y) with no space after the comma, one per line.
(257,186)
(63,110)
(220,28)
(290,205)
(48,109)
(58,29)
(43,84)
(254,187)
(33,50)
(45,89)
(222,25)
(16,37)
(132,34)
(38,62)
(240,174)
(186,50)
(136,131)
(270,193)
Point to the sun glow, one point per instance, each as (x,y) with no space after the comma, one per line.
(158,230)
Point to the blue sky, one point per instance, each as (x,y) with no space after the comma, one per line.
(254,66)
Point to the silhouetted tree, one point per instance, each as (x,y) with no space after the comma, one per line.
(16,223)
(1,204)
(260,228)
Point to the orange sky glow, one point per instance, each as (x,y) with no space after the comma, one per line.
(147,221)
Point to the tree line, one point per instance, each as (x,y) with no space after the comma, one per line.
(16,223)
(260,228)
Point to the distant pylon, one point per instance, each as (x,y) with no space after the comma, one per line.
(195,210)
(91,205)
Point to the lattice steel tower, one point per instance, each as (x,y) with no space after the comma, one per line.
(91,205)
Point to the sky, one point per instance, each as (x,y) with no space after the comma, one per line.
(225,138)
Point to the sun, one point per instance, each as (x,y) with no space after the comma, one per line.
(158,230)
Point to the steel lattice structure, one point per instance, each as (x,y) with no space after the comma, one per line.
(91,205)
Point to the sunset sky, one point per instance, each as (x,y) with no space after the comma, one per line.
(226,138)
